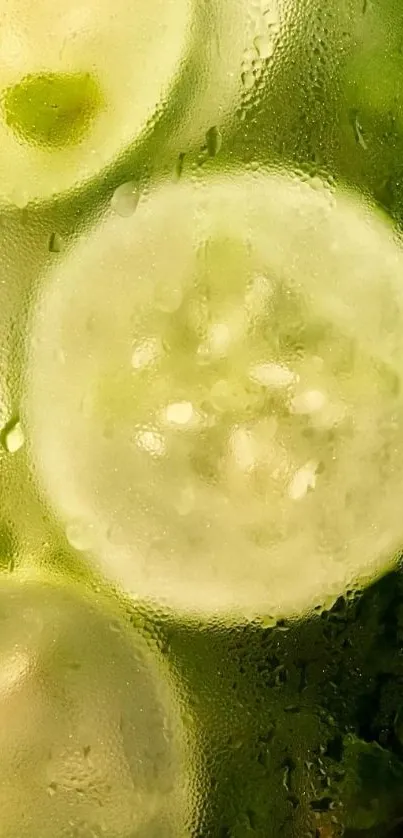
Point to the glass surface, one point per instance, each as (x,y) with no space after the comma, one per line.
(201,411)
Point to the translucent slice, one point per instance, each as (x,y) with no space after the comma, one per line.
(91,741)
(78,83)
(214,396)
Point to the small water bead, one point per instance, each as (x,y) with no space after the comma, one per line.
(213,141)
(264,46)
(13,437)
(56,243)
(248,80)
(125,199)
(271,14)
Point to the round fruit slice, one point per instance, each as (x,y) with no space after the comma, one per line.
(92,741)
(78,82)
(214,401)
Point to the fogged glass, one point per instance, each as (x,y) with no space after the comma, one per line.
(201,407)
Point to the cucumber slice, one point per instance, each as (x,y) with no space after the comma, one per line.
(92,740)
(214,396)
(78,83)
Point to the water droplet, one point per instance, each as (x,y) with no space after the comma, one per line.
(310,401)
(52,788)
(80,535)
(213,141)
(56,243)
(179,413)
(358,130)
(264,46)
(13,437)
(179,165)
(268,621)
(303,480)
(125,199)
(248,80)
(272,375)
(271,14)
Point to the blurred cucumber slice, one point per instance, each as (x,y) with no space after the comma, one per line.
(92,739)
(214,396)
(79,81)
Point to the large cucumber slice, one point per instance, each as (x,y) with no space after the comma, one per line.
(78,82)
(81,82)
(92,738)
(214,401)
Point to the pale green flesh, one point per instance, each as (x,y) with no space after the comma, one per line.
(226,425)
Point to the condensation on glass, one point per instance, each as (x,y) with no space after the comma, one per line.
(201,432)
